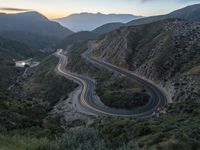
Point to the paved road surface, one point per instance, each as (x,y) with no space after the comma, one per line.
(88,99)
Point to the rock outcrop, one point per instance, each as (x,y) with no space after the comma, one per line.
(167,52)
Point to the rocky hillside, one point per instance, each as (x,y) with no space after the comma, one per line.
(167,52)
(107,28)
(190,13)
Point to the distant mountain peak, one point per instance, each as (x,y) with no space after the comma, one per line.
(32,22)
(89,21)
(34,15)
(190,13)
(31,12)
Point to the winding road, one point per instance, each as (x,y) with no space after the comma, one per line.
(88,100)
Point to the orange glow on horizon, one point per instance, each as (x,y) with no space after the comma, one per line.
(55,16)
(62,8)
(50,15)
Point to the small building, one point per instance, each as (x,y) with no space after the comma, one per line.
(21,63)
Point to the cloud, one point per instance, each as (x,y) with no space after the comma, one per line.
(13,9)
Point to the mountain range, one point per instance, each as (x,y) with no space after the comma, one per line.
(190,13)
(32,29)
(32,22)
(90,21)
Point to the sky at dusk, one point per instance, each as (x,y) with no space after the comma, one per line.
(60,8)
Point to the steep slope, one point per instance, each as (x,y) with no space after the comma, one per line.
(90,21)
(167,52)
(43,84)
(14,50)
(34,41)
(32,22)
(107,28)
(23,120)
(146,20)
(190,13)
(10,50)
(77,37)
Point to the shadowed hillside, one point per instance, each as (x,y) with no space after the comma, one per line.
(76,38)
(32,22)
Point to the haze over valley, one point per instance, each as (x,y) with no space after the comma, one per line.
(90,21)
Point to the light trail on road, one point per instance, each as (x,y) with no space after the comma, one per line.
(87,98)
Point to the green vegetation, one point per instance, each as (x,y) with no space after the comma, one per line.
(178,129)
(121,93)
(23,123)
(16,50)
(79,37)
(33,41)
(114,91)
(46,84)
(10,50)
(9,75)
(124,99)
(82,138)
(21,143)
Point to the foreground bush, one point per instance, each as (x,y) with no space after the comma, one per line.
(179,129)
(79,139)
(21,142)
